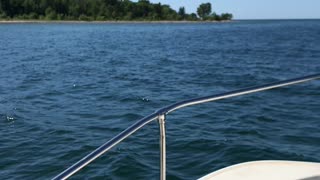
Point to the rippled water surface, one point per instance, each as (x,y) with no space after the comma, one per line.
(65,89)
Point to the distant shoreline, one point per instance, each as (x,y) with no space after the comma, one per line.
(106,22)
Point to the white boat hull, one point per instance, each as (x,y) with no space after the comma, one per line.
(268,170)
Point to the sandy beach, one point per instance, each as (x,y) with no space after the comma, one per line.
(105,22)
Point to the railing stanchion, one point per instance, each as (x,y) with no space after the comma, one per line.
(162,120)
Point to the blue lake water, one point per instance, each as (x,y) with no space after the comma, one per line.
(65,89)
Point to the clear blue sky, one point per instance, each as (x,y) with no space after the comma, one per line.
(255,9)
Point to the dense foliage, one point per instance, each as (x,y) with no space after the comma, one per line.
(204,10)
(90,10)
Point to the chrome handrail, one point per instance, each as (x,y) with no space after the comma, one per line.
(161,114)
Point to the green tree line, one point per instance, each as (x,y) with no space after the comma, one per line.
(99,10)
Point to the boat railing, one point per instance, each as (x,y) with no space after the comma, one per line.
(161,114)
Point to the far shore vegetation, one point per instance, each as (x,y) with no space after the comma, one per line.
(102,10)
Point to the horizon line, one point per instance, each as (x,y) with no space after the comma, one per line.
(248,19)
